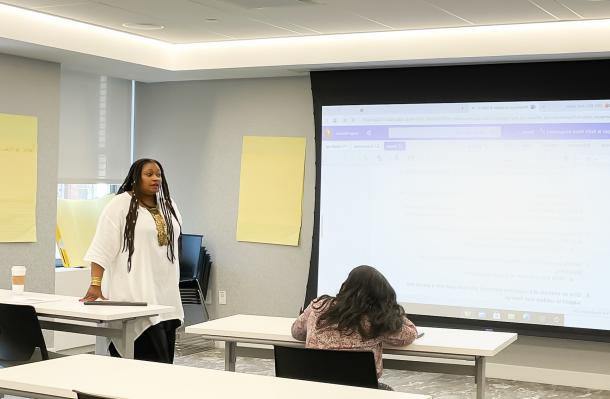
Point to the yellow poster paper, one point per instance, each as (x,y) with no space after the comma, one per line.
(271,190)
(77,220)
(18,154)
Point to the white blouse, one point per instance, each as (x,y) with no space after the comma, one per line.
(153,277)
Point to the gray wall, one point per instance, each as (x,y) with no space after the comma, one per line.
(195,130)
(31,87)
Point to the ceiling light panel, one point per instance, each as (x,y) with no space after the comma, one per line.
(174,12)
(42,3)
(183,36)
(256,4)
(399,14)
(251,29)
(589,9)
(142,26)
(242,23)
(492,12)
(325,19)
(99,14)
(186,21)
(556,9)
(302,17)
(253,16)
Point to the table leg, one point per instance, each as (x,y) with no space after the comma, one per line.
(101,346)
(479,377)
(230,355)
(128,338)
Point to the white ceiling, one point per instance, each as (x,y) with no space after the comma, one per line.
(194,21)
(211,39)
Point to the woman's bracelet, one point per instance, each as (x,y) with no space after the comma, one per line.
(97,281)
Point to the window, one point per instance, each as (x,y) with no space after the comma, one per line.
(89,191)
(85,191)
(95,151)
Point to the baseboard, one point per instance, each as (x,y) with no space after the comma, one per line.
(549,376)
(221,345)
(75,351)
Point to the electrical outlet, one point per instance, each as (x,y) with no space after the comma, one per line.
(208,297)
(222,297)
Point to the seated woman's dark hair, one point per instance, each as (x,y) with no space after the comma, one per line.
(366,295)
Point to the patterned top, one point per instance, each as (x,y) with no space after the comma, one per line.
(304,329)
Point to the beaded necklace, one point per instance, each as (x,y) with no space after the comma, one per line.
(159,223)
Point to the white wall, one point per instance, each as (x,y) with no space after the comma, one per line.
(31,87)
(195,129)
(554,361)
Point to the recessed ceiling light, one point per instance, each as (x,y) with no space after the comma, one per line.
(143,26)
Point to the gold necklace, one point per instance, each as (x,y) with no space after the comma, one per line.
(162,237)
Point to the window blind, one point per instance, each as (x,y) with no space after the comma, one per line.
(94,128)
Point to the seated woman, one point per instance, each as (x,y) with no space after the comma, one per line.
(363,316)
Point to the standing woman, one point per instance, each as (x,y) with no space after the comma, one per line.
(135,253)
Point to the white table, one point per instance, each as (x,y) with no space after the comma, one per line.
(66,313)
(442,343)
(134,379)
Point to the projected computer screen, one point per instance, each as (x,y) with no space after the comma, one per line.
(483,210)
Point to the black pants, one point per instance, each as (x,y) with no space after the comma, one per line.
(156,344)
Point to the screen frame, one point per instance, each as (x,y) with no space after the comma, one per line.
(535,81)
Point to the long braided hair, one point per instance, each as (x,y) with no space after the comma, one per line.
(132,183)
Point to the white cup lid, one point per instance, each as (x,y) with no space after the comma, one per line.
(18,269)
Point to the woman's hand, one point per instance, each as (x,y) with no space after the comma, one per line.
(94,292)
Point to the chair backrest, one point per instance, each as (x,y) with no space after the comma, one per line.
(206,266)
(20,333)
(195,264)
(321,365)
(189,256)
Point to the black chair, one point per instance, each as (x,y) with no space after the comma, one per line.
(331,366)
(195,265)
(20,336)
